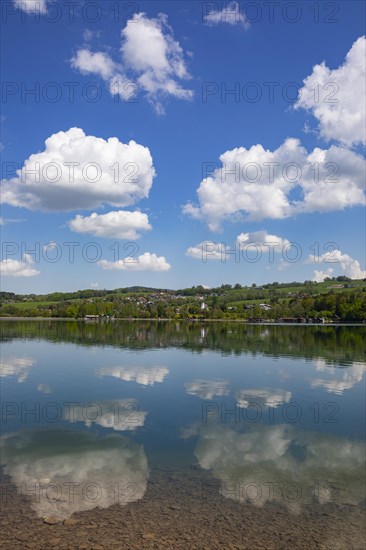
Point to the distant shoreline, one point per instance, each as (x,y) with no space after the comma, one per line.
(202,321)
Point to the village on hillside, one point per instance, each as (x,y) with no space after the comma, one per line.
(335,300)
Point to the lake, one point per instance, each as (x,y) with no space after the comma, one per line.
(182,435)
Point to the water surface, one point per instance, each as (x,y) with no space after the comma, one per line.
(259,416)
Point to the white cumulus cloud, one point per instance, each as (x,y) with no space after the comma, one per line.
(76,171)
(17,268)
(97,63)
(31,6)
(230,14)
(320,276)
(210,250)
(350,267)
(262,240)
(207,250)
(257,183)
(151,60)
(337,97)
(120,225)
(145,262)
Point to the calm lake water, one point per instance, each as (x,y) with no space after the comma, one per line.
(265,414)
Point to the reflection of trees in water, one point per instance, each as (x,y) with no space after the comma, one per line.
(341,344)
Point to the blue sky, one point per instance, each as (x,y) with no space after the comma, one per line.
(176,67)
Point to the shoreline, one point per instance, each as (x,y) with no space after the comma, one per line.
(202,321)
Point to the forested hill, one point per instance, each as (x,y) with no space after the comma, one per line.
(334,299)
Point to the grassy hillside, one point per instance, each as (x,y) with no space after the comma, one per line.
(338,298)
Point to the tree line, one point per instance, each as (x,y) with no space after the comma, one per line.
(347,306)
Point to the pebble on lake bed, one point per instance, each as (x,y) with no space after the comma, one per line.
(51,520)
(70,522)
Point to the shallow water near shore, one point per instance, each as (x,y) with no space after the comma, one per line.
(176,435)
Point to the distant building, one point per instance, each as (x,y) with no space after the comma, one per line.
(293,320)
(266,307)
